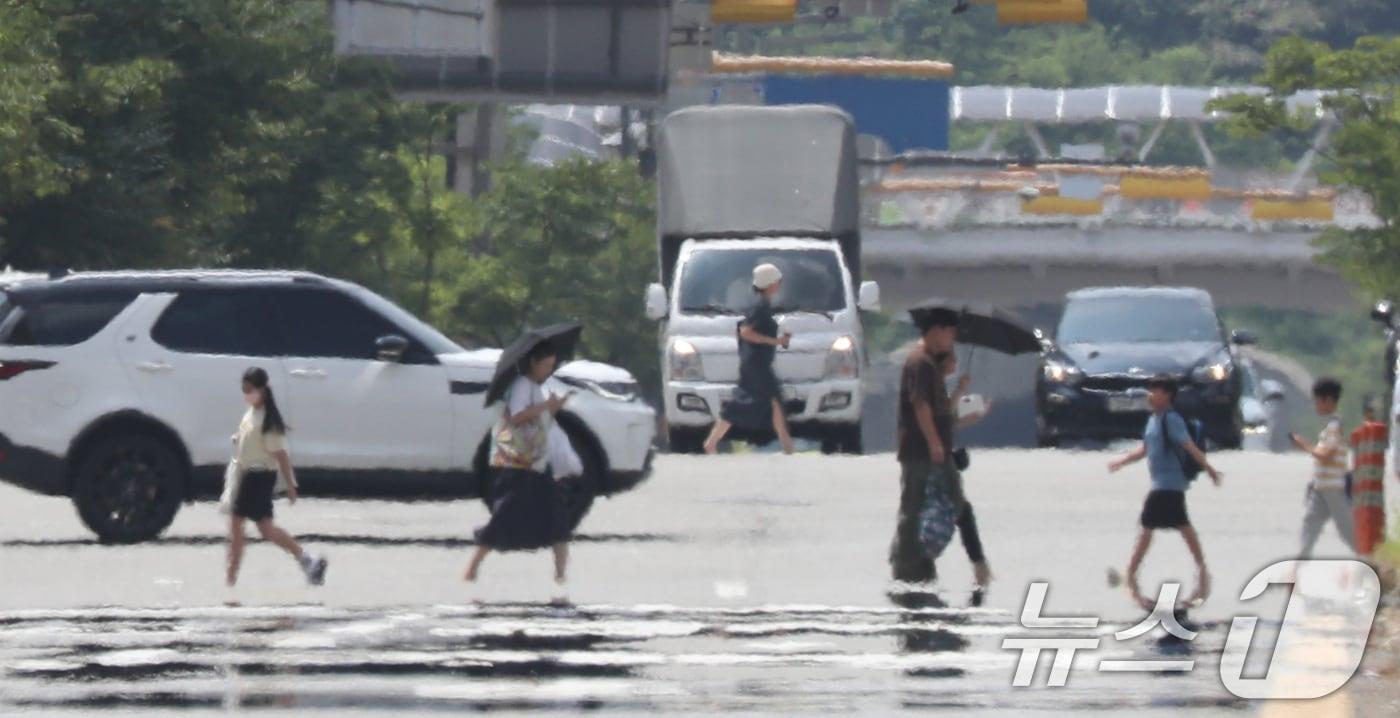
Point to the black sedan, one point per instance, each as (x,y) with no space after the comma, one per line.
(1092,381)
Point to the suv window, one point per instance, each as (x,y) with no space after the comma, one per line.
(62,321)
(330,324)
(233,323)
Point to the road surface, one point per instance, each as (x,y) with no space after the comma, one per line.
(745,583)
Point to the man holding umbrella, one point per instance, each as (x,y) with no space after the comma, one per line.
(932,503)
(925,443)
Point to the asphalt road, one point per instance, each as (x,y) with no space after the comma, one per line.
(753,584)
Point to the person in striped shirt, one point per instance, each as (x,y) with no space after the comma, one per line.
(1327,493)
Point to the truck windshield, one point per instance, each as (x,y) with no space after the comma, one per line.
(720,281)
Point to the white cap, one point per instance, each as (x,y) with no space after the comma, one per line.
(766,275)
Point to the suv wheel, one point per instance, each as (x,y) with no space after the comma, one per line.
(128,487)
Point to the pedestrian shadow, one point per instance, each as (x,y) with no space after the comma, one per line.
(451,542)
(918,635)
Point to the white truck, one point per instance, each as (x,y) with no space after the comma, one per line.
(739,186)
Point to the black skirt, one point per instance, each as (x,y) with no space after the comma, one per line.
(1164,509)
(255,495)
(752,405)
(530,510)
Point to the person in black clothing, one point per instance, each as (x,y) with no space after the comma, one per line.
(967,521)
(757,402)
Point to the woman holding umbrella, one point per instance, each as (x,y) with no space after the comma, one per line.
(756,405)
(529,509)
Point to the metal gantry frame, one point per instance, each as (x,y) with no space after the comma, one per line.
(1158,104)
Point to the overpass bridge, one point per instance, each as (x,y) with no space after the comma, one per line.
(1020,237)
(1019,265)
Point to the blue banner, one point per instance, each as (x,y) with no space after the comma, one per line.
(907,113)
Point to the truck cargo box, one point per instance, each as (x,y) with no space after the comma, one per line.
(745,171)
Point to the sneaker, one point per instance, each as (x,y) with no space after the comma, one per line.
(315,569)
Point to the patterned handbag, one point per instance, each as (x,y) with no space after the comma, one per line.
(521,447)
(937,522)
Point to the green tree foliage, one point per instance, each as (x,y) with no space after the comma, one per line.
(574,241)
(226,133)
(1364,152)
(1347,346)
(190,132)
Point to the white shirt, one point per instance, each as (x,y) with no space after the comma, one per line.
(560,456)
(255,448)
(252,451)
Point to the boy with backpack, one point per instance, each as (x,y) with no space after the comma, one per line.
(1171,446)
(1327,492)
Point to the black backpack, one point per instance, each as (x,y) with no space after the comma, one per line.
(1197,431)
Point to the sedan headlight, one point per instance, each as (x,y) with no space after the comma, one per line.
(1212,373)
(842,361)
(685,362)
(1061,373)
(616,391)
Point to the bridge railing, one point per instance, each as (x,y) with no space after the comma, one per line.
(1185,198)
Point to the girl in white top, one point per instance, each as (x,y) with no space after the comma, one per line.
(260,468)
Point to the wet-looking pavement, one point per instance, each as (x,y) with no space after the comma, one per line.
(749,584)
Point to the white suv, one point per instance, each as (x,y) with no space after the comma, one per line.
(121,390)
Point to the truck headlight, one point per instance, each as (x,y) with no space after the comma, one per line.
(842,362)
(1212,373)
(1061,373)
(685,362)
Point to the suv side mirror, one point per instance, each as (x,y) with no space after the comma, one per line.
(390,348)
(1384,312)
(1241,337)
(656,302)
(869,299)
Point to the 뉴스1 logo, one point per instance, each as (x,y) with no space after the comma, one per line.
(1340,626)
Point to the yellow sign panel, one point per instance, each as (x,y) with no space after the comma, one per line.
(1134,187)
(1312,208)
(1062,205)
(753,11)
(1028,12)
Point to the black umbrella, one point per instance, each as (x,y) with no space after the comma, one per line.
(984,325)
(563,337)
